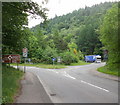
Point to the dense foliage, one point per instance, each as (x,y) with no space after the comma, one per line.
(68,37)
(14,21)
(73,35)
(109,36)
(80,27)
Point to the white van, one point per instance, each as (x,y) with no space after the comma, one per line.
(98,59)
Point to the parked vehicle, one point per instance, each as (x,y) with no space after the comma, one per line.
(98,59)
(93,58)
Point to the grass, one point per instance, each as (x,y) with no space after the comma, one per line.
(105,70)
(22,64)
(10,83)
(79,63)
(55,66)
(47,66)
(50,66)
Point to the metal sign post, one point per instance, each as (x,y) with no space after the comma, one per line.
(25,52)
(53,60)
(24,65)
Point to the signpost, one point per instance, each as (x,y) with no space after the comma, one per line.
(12,58)
(53,59)
(25,53)
(58,60)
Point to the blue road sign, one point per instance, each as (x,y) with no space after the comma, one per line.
(53,59)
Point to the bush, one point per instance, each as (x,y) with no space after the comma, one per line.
(68,58)
(35,60)
(80,55)
(48,55)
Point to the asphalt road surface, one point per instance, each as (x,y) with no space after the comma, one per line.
(77,84)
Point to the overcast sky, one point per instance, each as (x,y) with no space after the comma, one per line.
(60,7)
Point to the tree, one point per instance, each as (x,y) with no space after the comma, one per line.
(109,36)
(48,54)
(14,19)
(73,34)
(59,42)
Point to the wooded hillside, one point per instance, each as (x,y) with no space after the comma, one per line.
(69,37)
(77,31)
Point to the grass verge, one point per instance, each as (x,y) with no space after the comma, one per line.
(10,83)
(47,66)
(105,70)
(79,63)
(50,66)
(55,66)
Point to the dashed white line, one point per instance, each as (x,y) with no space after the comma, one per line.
(69,76)
(95,86)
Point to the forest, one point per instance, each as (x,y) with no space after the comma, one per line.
(67,39)
(87,31)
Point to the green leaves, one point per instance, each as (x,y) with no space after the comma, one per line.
(14,20)
(109,36)
(71,35)
(68,58)
(48,54)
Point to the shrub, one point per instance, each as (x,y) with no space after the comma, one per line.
(80,55)
(35,60)
(48,54)
(68,58)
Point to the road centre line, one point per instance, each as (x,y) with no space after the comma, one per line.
(67,75)
(95,86)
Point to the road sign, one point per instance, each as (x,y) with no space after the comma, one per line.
(25,55)
(11,58)
(25,52)
(58,59)
(53,59)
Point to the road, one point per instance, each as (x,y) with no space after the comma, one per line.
(77,84)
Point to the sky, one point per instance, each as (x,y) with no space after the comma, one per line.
(62,7)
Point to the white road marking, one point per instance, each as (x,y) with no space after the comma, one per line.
(67,75)
(54,71)
(70,76)
(95,86)
(47,90)
(39,78)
